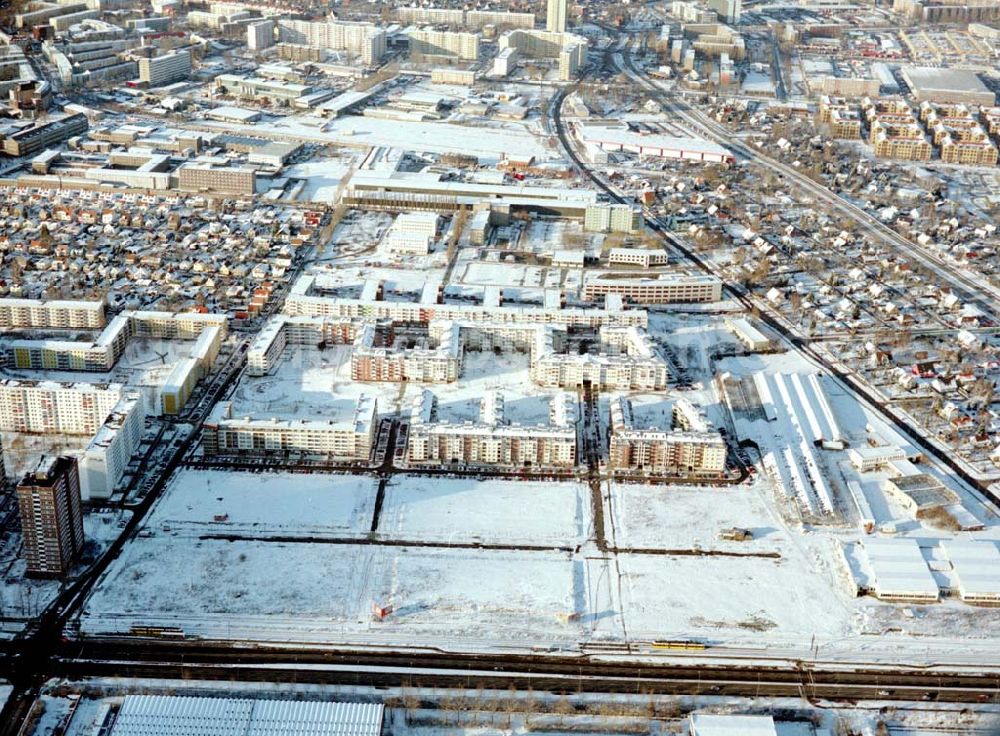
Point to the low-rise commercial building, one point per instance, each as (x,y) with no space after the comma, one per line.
(641,257)
(29,138)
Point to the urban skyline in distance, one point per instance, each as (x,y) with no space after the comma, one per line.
(477,369)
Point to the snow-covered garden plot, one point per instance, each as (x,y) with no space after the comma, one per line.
(491,511)
(732,600)
(310,383)
(261,504)
(323,592)
(161,578)
(483,594)
(683,518)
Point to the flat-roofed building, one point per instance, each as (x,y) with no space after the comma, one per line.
(976,565)
(105,458)
(222,179)
(260,35)
(665,289)
(641,257)
(732,725)
(899,571)
(169,715)
(350,439)
(947,85)
(432,42)
(51,520)
(59,314)
(689,451)
(365,40)
(306,299)
(29,138)
(173,66)
(493,440)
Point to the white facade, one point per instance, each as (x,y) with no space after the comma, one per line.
(105,458)
(260,35)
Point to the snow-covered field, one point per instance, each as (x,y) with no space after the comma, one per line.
(310,383)
(260,504)
(466,510)
(490,144)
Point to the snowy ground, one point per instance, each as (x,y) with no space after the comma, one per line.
(22,598)
(490,144)
(310,383)
(466,510)
(264,504)
(524,402)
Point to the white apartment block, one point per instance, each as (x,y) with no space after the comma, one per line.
(174,66)
(627,361)
(432,42)
(503,18)
(605,217)
(470,19)
(666,289)
(63,315)
(568,49)
(260,35)
(412,233)
(691,450)
(439,362)
(350,439)
(437,16)
(641,257)
(107,455)
(492,441)
(268,347)
(46,407)
(303,300)
(206,330)
(362,39)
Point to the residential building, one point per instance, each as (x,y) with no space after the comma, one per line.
(58,314)
(493,440)
(664,289)
(303,300)
(51,519)
(691,450)
(361,39)
(568,49)
(260,35)
(351,439)
(105,458)
(555,19)
(173,66)
(606,217)
(431,42)
(730,11)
